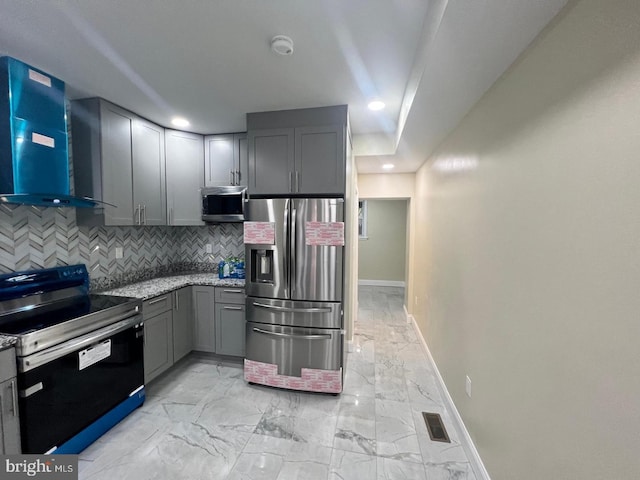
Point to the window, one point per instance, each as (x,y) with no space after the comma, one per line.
(362,219)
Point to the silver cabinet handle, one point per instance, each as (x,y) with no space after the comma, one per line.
(291,182)
(231,308)
(289,335)
(230,177)
(144,214)
(238,177)
(157,300)
(294,310)
(297,182)
(14,400)
(170,215)
(175,296)
(233,291)
(136,215)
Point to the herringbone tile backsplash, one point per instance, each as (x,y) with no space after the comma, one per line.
(37,237)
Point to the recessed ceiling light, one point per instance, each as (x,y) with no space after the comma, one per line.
(180,122)
(388,166)
(376,105)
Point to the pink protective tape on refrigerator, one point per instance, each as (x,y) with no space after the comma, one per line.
(312,380)
(324,233)
(262,233)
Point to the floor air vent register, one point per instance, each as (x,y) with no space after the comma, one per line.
(435,427)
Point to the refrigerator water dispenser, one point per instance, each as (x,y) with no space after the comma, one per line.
(262,266)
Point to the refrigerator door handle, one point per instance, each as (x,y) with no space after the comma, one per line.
(285,263)
(294,310)
(288,335)
(293,268)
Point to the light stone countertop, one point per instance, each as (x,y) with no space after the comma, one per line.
(159,286)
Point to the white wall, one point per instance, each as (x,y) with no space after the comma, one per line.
(528,281)
(382,254)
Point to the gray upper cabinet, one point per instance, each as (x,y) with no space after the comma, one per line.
(149,196)
(102,160)
(118,158)
(320,160)
(299,152)
(9,419)
(225,160)
(185,176)
(271,161)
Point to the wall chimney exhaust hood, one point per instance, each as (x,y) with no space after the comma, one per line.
(34,160)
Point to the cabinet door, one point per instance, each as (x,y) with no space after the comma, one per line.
(204,324)
(242,159)
(158,345)
(271,161)
(320,160)
(182,323)
(185,176)
(149,196)
(219,160)
(230,329)
(117,174)
(9,422)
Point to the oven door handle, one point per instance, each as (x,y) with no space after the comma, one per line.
(45,356)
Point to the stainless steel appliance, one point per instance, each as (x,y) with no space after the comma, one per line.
(33,138)
(79,357)
(294,282)
(223,204)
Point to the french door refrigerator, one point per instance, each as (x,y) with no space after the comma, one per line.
(294,283)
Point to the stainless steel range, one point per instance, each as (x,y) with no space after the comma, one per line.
(79,357)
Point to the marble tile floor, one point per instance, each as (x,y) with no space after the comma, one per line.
(201,420)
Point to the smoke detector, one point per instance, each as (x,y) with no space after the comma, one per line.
(282,45)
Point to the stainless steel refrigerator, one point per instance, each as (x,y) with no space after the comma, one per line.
(294,284)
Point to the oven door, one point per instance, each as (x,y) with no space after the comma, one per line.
(65,388)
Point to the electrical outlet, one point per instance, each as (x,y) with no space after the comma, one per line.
(416,301)
(467,386)
(208,248)
(119,252)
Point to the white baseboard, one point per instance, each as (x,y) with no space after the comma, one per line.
(382,283)
(470,449)
(407,314)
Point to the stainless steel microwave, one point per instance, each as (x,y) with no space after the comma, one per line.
(223,204)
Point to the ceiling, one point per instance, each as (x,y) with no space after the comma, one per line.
(210,60)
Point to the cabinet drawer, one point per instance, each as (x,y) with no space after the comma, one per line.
(230,295)
(157,305)
(7,364)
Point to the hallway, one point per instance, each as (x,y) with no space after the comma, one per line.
(202,420)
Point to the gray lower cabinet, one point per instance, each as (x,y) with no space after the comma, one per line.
(182,323)
(158,335)
(230,321)
(204,338)
(230,329)
(10,420)
(185,176)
